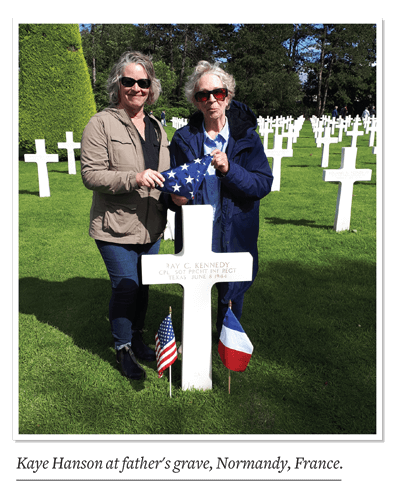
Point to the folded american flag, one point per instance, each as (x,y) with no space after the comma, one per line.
(185,180)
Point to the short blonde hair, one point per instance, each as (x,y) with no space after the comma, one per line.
(202,68)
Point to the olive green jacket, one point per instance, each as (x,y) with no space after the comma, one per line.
(111,156)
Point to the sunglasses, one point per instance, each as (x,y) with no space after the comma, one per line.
(219,94)
(129,82)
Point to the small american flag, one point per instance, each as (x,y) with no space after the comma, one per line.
(165,346)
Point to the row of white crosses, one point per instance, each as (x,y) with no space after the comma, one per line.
(278,152)
(42,158)
(370,126)
(347,174)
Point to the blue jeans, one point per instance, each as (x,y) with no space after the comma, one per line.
(129,298)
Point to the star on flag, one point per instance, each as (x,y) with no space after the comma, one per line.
(186,179)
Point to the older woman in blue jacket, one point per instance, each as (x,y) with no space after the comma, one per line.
(238,177)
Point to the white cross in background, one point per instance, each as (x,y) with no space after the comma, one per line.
(70,145)
(41,158)
(277,153)
(347,174)
(354,133)
(325,141)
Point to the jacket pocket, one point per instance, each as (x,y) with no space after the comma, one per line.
(122,152)
(120,218)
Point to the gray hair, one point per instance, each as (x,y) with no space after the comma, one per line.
(118,71)
(202,68)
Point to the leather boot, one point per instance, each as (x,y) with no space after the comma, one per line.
(129,365)
(140,349)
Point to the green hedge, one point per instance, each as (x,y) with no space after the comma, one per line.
(55,94)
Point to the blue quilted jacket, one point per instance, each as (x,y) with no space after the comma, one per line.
(248,180)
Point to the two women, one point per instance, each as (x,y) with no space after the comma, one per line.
(124,150)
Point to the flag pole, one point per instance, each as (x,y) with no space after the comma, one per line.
(170,373)
(229,378)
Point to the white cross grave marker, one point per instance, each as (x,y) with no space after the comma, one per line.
(347,174)
(325,141)
(70,145)
(197,268)
(341,125)
(372,129)
(41,158)
(277,153)
(354,133)
(318,130)
(290,135)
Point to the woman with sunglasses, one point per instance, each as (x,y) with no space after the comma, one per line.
(238,177)
(123,151)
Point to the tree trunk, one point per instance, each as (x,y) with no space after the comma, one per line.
(319,103)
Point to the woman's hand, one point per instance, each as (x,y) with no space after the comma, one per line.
(149,178)
(220,161)
(179,200)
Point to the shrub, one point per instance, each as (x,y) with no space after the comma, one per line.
(55,94)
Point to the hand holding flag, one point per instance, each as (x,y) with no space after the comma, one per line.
(185,180)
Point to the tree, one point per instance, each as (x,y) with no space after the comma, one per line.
(103,44)
(55,93)
(341,66)
(263,70)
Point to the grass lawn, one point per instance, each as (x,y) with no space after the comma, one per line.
(311,316)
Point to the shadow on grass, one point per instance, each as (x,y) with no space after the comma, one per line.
(313,331)
(302,222)
(317,343)
(78,307)
(28,192)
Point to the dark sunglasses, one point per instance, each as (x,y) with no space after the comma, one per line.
(219,94)
(129,82)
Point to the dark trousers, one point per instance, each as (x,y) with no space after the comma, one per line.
(237,305)
(129,297)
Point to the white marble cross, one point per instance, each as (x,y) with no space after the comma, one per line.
(277,153)
(41,158)
(354,133)
(325,141)
(341,125)
(347,174)
(318,129)
(197,268)
(290,135)
(70,145)
(372,130)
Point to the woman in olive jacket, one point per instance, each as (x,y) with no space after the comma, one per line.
(123,151)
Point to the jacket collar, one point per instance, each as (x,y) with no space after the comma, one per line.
(123,116)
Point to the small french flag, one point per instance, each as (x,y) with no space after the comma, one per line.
(234,346)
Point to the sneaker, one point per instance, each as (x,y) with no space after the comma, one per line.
(129,365)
